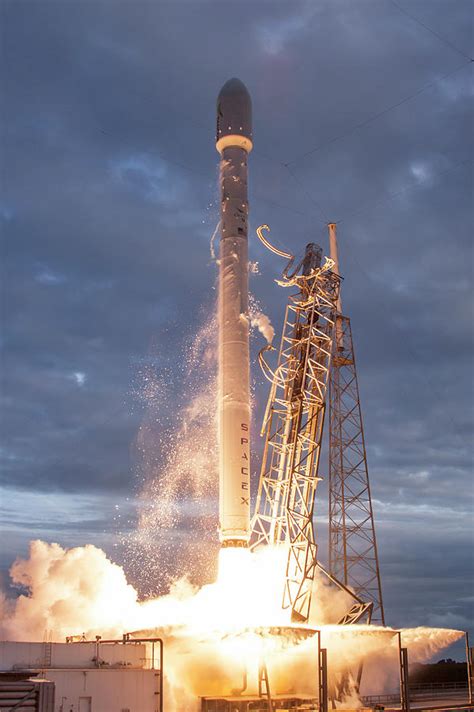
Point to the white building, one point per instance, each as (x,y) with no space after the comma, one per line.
(96,676)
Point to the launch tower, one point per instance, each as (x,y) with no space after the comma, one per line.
(293,426)
(316,352)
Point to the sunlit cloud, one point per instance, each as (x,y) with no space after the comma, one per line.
(420,170)
(79,377)
(149,177)
(49,277)
(276,34)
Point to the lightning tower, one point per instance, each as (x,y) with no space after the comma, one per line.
(353,557)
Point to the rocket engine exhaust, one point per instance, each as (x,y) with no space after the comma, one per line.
(234,143)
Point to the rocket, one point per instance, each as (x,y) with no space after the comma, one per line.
(234,143)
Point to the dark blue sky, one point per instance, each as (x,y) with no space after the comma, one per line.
(362,115)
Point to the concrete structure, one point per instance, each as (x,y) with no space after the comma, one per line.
(234,142)
(91,676)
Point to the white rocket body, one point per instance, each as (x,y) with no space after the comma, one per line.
(234,142)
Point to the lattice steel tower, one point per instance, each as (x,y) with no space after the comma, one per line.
(293,426)
(353,557)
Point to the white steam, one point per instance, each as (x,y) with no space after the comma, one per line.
(212,242)
(264,325)
(260,320)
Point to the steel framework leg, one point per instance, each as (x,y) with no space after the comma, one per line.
(323,680)
(322,676)
(470,669)
(404,691)
(264,685)
(353,557)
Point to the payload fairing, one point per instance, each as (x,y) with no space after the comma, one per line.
(234,143)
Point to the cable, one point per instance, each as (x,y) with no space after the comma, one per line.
(322,216)
(353,129)
(391,196)
(206,175)
(379,306)
(280,205)
(435,34)
(308,195)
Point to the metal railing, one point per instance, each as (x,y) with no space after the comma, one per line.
(420,690)
(436,686)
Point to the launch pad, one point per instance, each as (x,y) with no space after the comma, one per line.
(98,671)
(257,704)
(445,703)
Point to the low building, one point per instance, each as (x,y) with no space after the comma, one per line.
(99,676)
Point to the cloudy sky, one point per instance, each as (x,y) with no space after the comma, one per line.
(361,116)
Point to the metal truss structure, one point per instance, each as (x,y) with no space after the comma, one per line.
(353,558)
(317,353)
(293,426)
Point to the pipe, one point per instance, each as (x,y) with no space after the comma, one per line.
(240,690)
(333,252)
(469,656)
(160,643)
(127,639)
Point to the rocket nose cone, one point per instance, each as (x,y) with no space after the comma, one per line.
(235,89)
(234,111)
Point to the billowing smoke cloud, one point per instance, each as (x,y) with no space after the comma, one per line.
(67,592)
(210,631)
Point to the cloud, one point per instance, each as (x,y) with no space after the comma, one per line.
(79,377)
(275,34)
(47,277)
